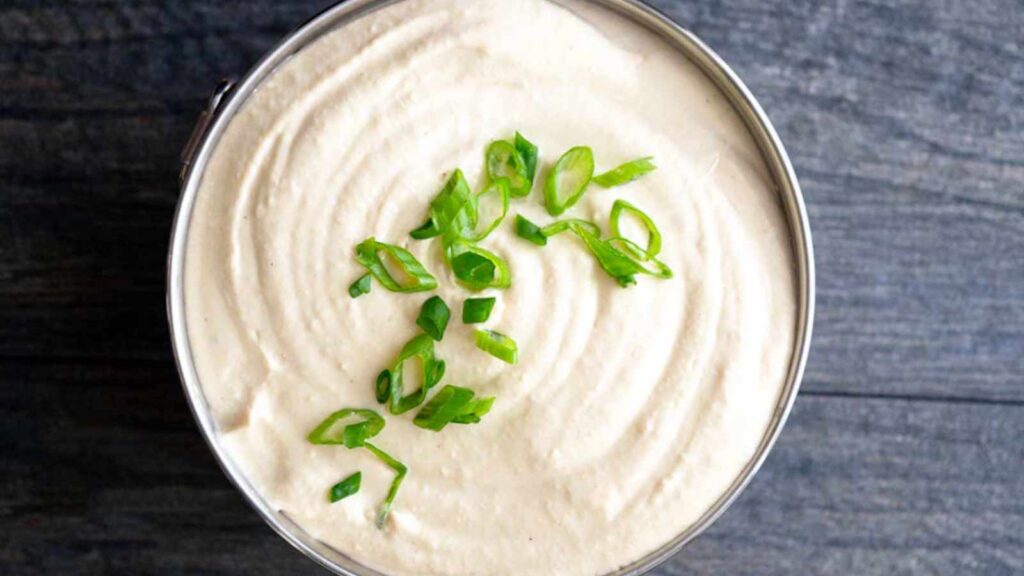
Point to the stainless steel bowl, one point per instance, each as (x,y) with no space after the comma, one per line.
(230,97)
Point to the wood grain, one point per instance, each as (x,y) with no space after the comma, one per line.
(904,119)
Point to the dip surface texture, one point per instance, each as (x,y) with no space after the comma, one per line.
(630,411)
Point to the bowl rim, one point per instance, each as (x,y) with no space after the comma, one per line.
(223,108)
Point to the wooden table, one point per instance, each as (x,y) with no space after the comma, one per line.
(904,454)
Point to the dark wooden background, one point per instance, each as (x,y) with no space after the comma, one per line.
(904,454)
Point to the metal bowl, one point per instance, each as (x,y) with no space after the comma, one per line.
(230,97)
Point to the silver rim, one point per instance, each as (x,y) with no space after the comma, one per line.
(760,127)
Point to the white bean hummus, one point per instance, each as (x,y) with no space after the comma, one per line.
(630,410)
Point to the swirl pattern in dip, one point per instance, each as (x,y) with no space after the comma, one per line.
(630,411)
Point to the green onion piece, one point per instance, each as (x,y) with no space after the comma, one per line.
(474,411)
(653,235)
(426,230)
(383,386)
(498,345)
(529,231)
(351,435)
(647,263)
(568,179)
(476,268)
(417,279)
(453,404)
(400,471)
(361,286)
(528,150)
(504,161)
(420,348)
(477,310)
(500,187)
(626,173)
(574,224)
(433,318)
(345,488)
(452,211)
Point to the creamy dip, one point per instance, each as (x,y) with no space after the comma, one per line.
(630,410)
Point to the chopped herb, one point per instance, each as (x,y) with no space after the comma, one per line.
(417,279)
(501,188)
(419,348)
(498,345)
(453,404)
(568,179)
(400,471)
(452,211)
(529,231)
(361,286)
(351,435)
(626,173)
(653,235)
(345,488)
(433,318)
(504,161)
(528,150)
(477,310)
(476,268)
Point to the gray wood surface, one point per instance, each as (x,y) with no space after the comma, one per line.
(905,121)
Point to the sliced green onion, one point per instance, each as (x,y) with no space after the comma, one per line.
(528,150)
(501,188)
(383,386)
(433,318)
(626,173)
(477,310)
(568,179)
(617,264)
(400,471)
(420,348)
(351,435)
(529,231)
(504,161)
(453,404)
(452,211)
(476,268)
(498,345)
(417,279)
(345,488)
(647,263)
(653,235)
(361,286)
(426,230)
(574,224)
(476,410)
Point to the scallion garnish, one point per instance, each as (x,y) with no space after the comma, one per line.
(400,471)
(453,404)
(504,161)
(653,235)
(626,173)
(417,279)
(361,286)
(568,179)
(498,345)
(477,310)
(433,318)
(382,388)
(528,150)
(419,348)
(529,231)
(476,268)
(573,224)
(345,488)
(353,435)
(501,188)
(452,211)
